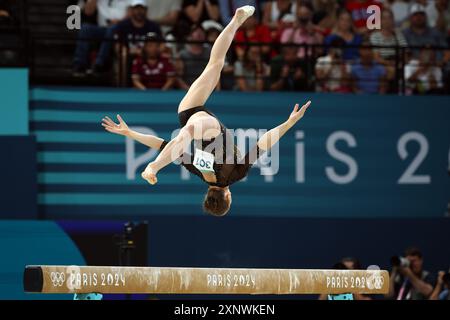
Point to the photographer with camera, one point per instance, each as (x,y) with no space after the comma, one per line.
(441,290)
(408,280)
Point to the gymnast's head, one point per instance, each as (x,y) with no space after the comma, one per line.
(217,201)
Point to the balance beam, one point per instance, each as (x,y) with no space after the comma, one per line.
(87,279)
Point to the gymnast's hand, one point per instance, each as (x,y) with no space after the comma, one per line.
(298,114)
(121,128)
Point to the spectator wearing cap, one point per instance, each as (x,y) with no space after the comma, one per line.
(253,32)
(410,282)
(212,29)
(151,70)
(419,34)
(273,12)
(344,30)
(368,75)
(133,31)
(192,58)
(195,12)
(228,8)
(359,13)
(304,32)
(109,13)
(198,11)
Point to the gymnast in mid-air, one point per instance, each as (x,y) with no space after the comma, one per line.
(222,166)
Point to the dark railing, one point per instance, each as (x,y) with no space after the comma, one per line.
(57,65)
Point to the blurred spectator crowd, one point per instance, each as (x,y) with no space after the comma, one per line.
(301,45)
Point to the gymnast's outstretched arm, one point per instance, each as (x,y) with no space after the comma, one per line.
(122,128)
(273,136)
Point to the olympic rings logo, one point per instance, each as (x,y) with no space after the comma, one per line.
(375,282)
(378,282)
(57,278)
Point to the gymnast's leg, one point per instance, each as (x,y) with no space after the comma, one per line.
(202,88)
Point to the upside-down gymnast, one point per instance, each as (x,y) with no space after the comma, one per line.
(198,123)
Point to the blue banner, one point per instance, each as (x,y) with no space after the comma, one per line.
(18,188)
(14,106)
(350,156)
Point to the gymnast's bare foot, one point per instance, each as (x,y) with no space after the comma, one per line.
(243,13)
(150,175)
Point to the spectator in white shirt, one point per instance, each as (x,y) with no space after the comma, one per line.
(332,72)
(422,75)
